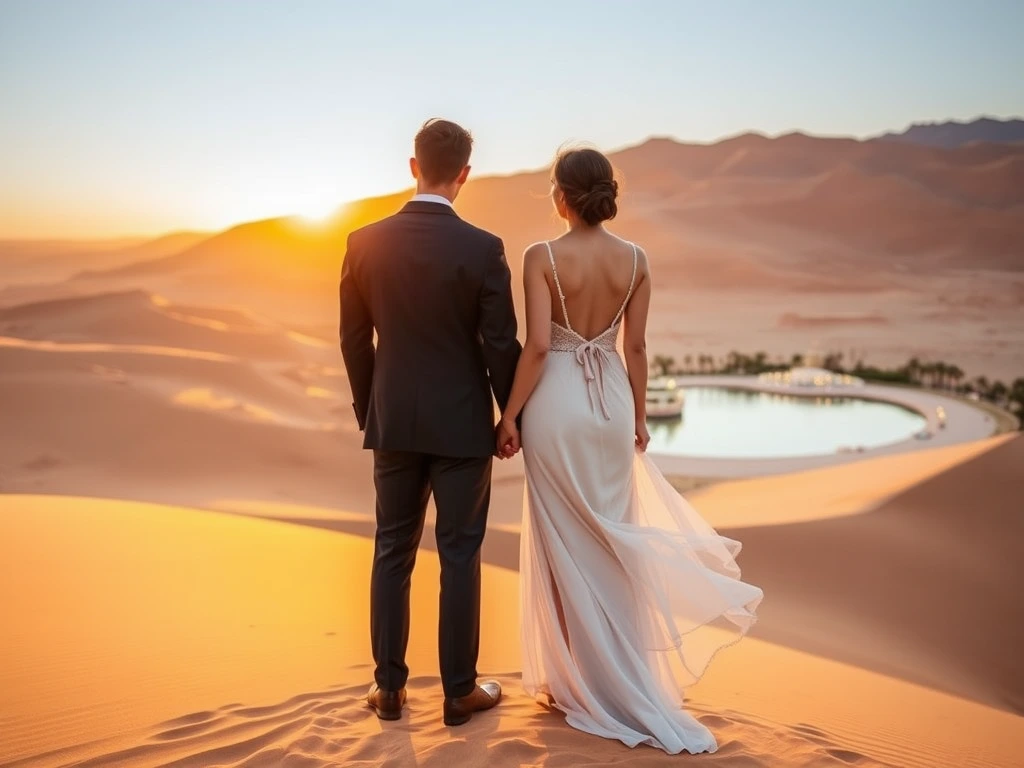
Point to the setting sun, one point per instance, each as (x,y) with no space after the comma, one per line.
(317,214)
(315,206)
(311,200)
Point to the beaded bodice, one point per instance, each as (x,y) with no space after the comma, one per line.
(565,340)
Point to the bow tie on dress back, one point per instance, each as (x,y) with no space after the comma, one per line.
(592,356)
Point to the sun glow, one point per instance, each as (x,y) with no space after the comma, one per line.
(318,211)
(311,201)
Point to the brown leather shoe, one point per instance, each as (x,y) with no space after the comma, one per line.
(459,710)
(387,704)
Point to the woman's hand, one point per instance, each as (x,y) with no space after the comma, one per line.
(508,443)
(643,437)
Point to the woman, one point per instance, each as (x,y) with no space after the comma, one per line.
(626,592)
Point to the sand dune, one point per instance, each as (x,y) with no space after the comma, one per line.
(893,214)
(186,637)
(37,260)
(738,232)
(255,245)
(924,587)
(139,317)
(127,389)
(764,178)
(115,416)
(193,638)
(212,639)
(201,371)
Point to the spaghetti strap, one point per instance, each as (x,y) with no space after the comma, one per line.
(629,293)
(558,285)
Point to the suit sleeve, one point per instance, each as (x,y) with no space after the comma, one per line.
(498,326)
(356,330)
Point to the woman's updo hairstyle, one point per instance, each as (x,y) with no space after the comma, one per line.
(586,178)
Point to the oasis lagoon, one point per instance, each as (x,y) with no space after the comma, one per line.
(742,424)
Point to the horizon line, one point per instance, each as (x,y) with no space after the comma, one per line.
(185,229)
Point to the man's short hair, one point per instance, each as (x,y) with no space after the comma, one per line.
(442,150)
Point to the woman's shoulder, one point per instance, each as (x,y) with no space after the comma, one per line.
(627,248)
(537,254)
(629,245)
(634,248)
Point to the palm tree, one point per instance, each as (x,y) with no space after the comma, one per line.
(796,361)
(913,368)
(980,385)
(927,371)
(1017,400)
(688,362)
(998,392)
(955,374)
(663,364)
(1017,390)
(833,361)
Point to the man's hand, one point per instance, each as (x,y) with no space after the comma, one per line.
(507,439)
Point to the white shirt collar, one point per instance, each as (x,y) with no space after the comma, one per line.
(432,199)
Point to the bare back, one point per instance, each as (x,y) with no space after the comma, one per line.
(596,275)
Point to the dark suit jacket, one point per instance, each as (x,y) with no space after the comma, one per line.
(438,292)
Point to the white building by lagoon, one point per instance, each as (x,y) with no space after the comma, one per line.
(810,378)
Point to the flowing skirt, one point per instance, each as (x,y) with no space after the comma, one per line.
(626,592)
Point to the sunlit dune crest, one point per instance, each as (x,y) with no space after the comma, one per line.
(811,495)
(139,349)
(205,398)
(308,341)
(321,393)
(283,510)
(311,372)
(135,318)
(215,325)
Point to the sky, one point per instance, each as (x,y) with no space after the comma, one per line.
(130,117)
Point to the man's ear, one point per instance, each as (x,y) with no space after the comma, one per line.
(414,168)
(463,175)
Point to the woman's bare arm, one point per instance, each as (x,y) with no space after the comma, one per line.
(538,341)
(635,346)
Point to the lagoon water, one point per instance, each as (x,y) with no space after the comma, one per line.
(731,423)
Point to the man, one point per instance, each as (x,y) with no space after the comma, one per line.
(437,291)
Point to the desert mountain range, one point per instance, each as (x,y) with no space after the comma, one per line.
(955,133)
(782,244)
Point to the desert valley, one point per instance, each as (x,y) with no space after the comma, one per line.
(180,403)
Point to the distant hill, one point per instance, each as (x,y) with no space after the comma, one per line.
(58,259)
(954,133)
(795,212)
(138,317)
(871,244)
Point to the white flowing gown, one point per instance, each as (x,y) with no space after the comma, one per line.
(627,593)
